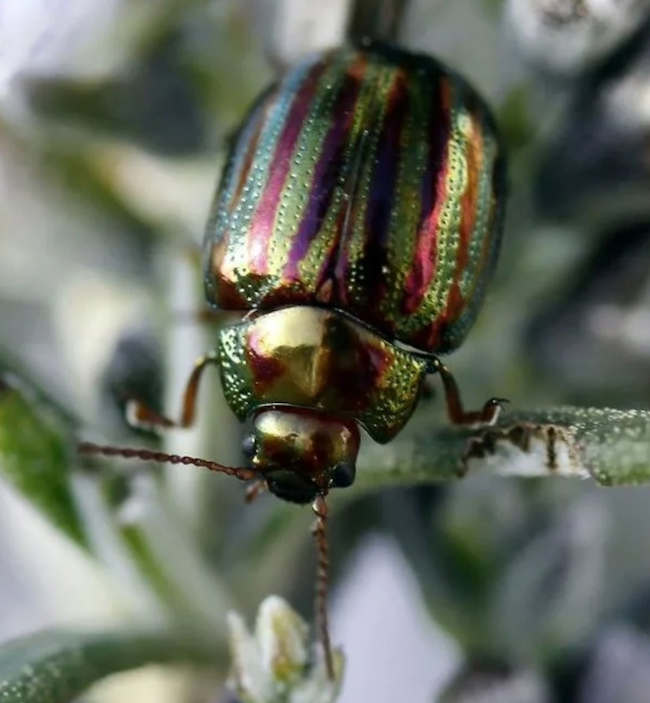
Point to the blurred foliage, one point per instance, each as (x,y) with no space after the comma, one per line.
(37,455)
(131,106)
(133,371)
(485,682)
(55,666)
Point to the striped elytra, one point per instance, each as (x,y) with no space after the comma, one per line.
(368,180)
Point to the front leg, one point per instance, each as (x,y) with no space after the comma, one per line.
(140,415)
(489,413)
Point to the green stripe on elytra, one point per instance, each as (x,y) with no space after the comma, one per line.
(356,234)
(478,269)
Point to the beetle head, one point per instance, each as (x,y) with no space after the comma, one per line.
(302,453)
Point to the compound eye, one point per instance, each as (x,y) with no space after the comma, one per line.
(248,446)
(343,474)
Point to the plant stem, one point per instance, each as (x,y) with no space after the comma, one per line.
(610,446)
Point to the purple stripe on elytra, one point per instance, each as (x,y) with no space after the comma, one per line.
(380,198)
(328,167)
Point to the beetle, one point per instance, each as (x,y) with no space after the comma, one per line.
(356,224)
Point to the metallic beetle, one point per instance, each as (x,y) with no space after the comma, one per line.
(356,225)
(360,210)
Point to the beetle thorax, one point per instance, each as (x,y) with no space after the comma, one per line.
(322,360)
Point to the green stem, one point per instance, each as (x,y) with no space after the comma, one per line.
(610,446)
(369,19)
(56,666)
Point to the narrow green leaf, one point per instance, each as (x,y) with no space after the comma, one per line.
(55,666)
(35,443)
(141,552)
(610,446)
(480,684)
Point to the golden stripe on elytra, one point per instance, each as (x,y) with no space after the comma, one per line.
(468,200)
(456,185)
(469,280)
(356,240)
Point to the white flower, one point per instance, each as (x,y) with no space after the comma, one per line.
(278,664)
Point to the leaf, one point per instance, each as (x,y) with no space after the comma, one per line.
(55,666)
(481,683)
(35,455)
(608,445)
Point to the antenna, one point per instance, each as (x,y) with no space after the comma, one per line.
(319,531)
(242,473)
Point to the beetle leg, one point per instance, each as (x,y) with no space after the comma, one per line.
(140,415)
(319,530)
(255,490)
(489,413)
